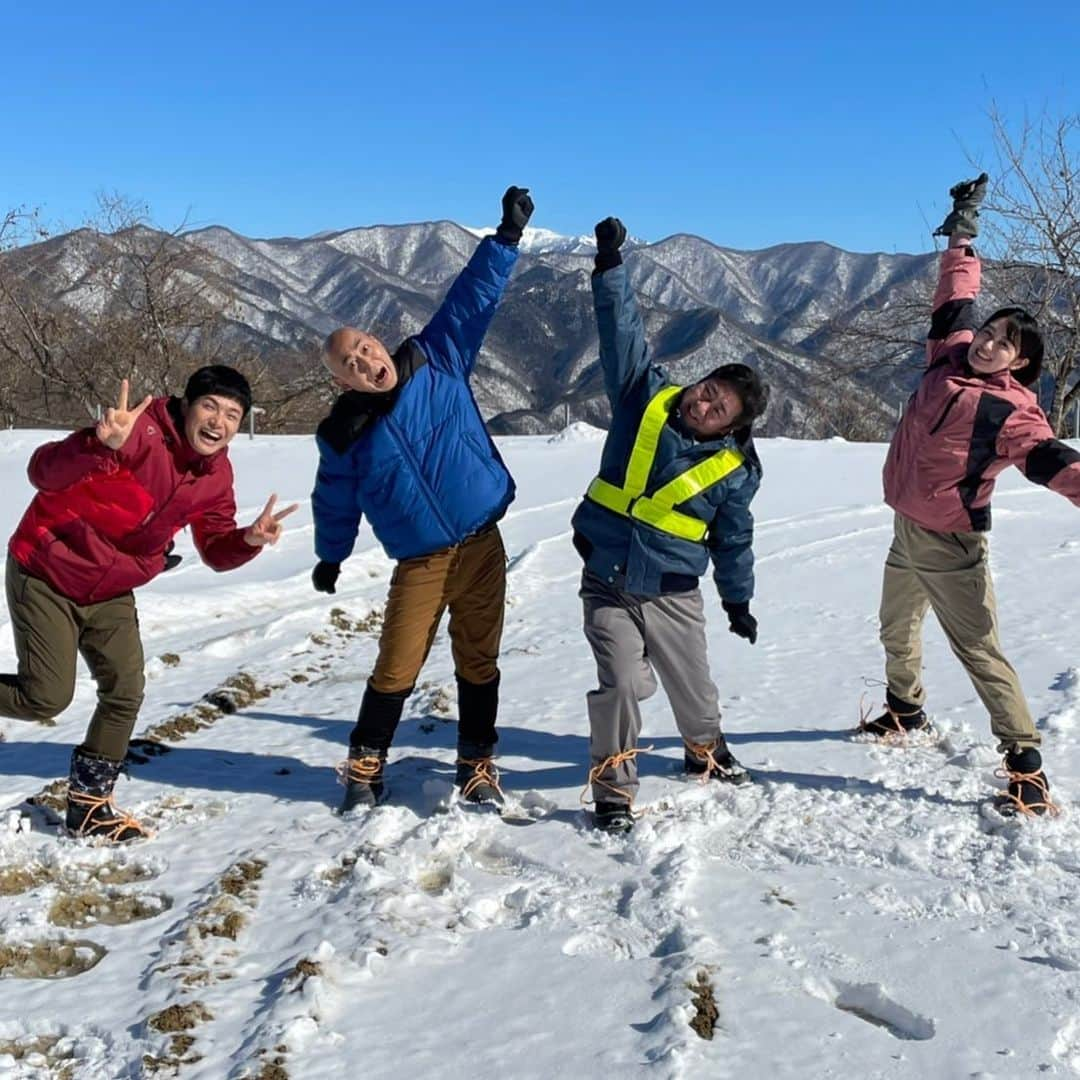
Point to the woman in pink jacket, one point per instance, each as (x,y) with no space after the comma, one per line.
(972,416)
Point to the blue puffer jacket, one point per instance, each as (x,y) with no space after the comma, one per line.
(424,471)
(624,551)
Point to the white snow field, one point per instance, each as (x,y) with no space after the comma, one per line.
(853,913)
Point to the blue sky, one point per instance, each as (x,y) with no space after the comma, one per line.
(750,126)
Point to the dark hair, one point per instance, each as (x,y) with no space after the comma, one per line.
(218,379)
(746,382)
(1022,331)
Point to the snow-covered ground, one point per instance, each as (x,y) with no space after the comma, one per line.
(852,913)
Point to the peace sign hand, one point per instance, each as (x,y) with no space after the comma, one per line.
(116,426)
(267,527)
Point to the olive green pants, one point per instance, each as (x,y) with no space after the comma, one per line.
(50,632)
(949,573)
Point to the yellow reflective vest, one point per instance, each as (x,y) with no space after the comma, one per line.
(658,509)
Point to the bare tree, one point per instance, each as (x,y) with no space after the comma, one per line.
(1033,233)
(116,299)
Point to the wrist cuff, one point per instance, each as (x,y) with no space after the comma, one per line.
(608,260)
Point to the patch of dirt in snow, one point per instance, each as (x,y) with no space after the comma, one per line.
(48,959)
(80,908)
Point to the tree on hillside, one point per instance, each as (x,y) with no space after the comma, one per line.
(1030,242)
(1033,234)
(135,302)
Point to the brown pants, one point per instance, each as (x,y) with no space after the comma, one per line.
(469,579)
(50,631)
(949,572)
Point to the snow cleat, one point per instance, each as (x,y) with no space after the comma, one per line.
(1028,791)
(613,817)
(714,761)
(362,775)
(899,720)
(91,813)
(477,777)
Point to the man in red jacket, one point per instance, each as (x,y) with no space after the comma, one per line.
(109,501)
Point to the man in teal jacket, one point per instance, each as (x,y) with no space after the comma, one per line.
(677,473)
(406,446)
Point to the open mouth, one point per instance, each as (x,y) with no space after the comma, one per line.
(381,375)
(209,436)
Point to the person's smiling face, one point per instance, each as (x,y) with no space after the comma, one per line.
(993,350)
(710,408)
(210,422)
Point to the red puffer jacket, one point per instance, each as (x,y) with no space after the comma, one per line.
(102,518)
(960,430)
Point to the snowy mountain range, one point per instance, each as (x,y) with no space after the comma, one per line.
(777,308)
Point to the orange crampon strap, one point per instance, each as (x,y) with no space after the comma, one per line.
(704,752)
(612,762)
(1045,805)
(484,772)
(116,824)
(361,770)
(899,735)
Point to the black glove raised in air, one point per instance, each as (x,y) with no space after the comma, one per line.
(517,208)
(610,234)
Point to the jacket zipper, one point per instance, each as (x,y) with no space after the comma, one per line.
(424,485)
(948,409)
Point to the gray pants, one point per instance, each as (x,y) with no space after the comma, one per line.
(949,572)
(632,637)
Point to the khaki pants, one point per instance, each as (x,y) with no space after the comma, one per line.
(949,572)
(50,631)
(469,579)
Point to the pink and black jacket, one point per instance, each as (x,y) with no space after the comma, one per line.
(102,519)
(960,430)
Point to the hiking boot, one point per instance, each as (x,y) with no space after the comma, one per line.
(900,718)
(362,775)
(1029,790)
(613,817)
(714,761)
(90,809)
(477,778)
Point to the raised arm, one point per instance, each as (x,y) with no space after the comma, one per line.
(953,321)
(58,465)
(456,331)
(624,353)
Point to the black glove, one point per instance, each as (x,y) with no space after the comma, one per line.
(610,234)
(171,560)
(325,575)
(740,621)
(967,196)
(517,208)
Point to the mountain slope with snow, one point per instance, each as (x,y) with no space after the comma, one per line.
(850,914)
